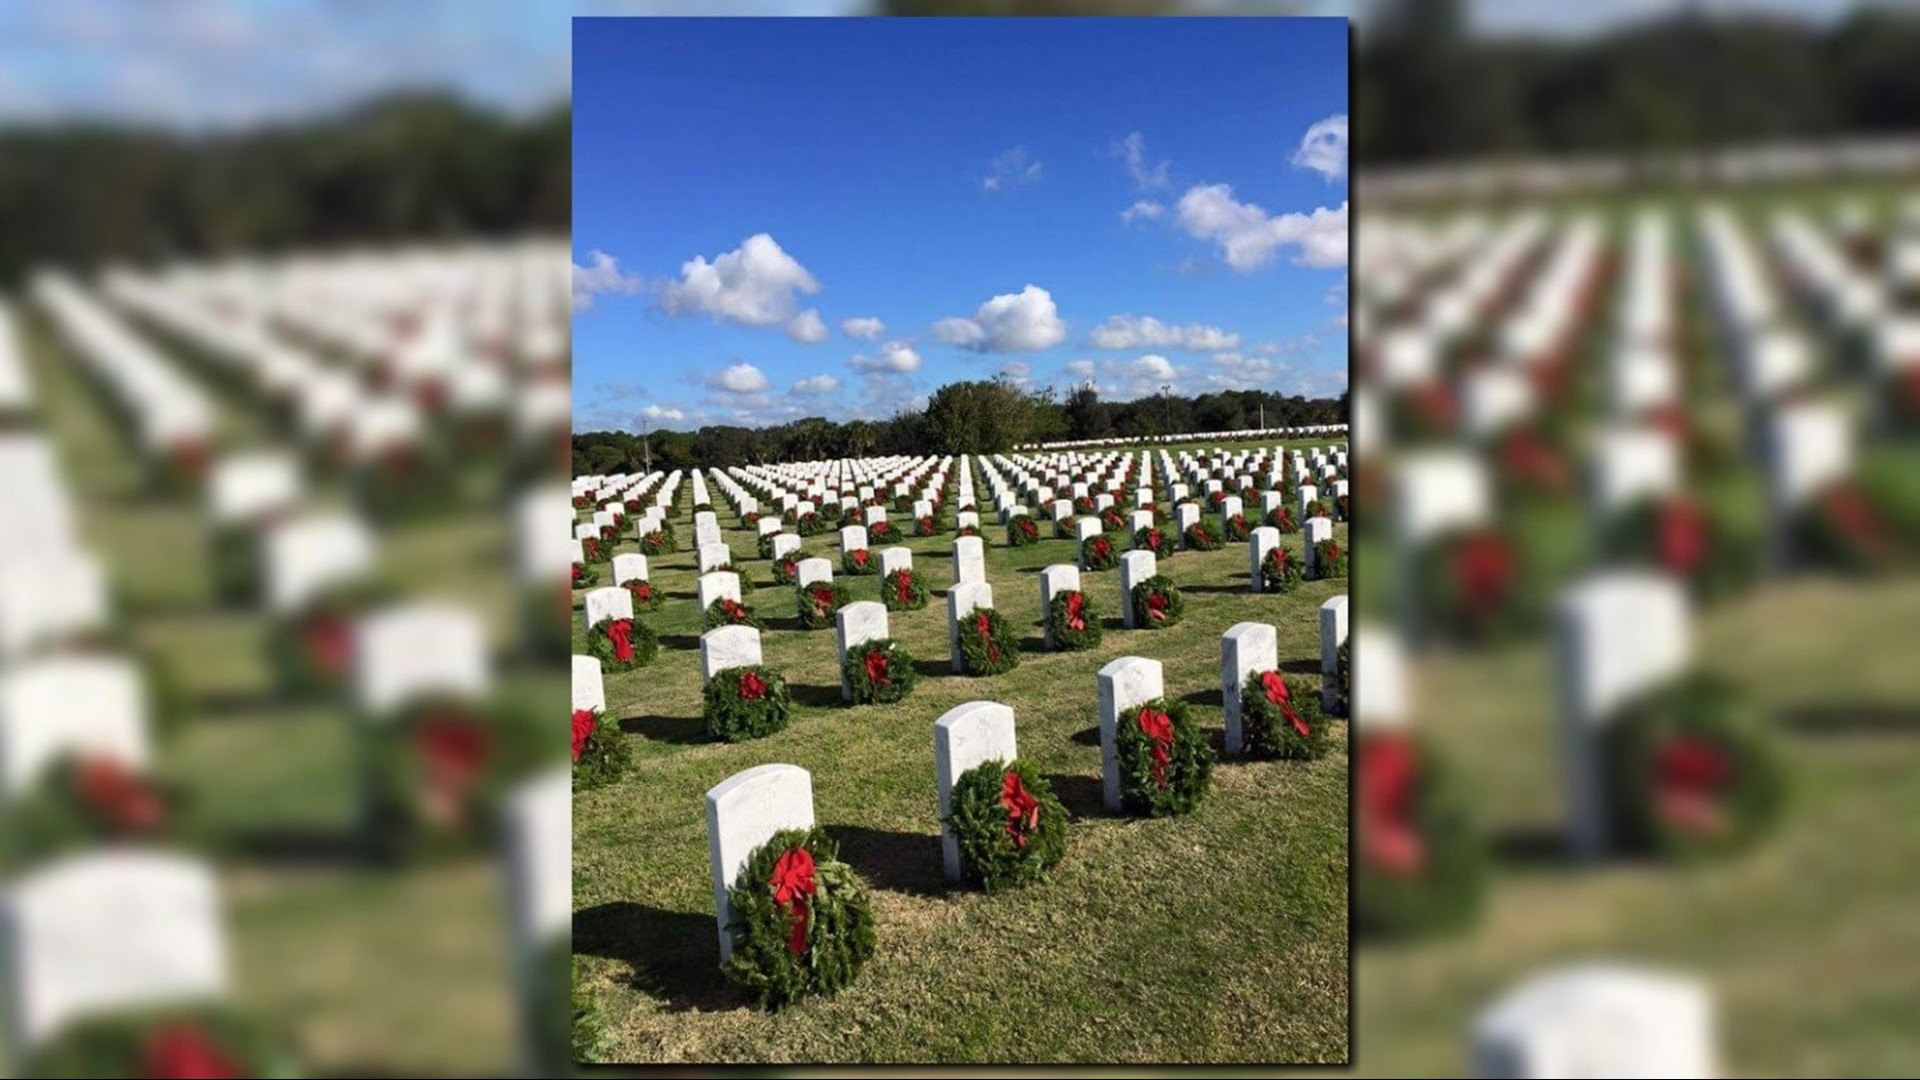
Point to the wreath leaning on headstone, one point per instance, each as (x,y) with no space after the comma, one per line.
(1165,759)
(802,920)
(622,644)
(1280,717)
(817,603)
(1157,603)
(1422,862)
(745,703)
(1099,552)
(1155,539)
(1008,824)
(879,672)
(176,1041)
(1022,531)
(645,596)
(1203,536)
(1329,559)
(989,644)
(726,611)
(1282,518)
(85,801)
(1073,621)
(903,591)
(786,569)
(1237,528)
(599,753)
(859,561)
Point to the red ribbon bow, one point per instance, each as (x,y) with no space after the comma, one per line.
(903,589)
(1682,536)
(621,631)
(1157,606)
(752,686)
(792,882)
(453,751)
(642,591)
(1389,768)
(1023,810)
(1100,546)
(1277,692)
(1485,569)
(1158,727)
(582,728)
(116,794)
(1076,608)
(592,545)
(732,609)
(822,601)
(983,626)
(181,1051)
(330,644)
(877,668)
(1691,775)
(860,557)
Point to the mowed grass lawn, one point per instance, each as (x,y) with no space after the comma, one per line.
(372,972)
(1221,936)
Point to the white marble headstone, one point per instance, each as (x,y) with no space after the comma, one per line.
(1125,684)
(856,624)
(744,811)
(811,571)
(726,647)
(962,599)
(245,486)
(306,555)
(62,705)
(1260,541)
(589,687)
(606,602)
(1333,633)
(629,566)
(964,738)
(969,560)
(1054,580)
(1245,648)
(49,596)
(420,648)
(716,585)
(1596,1021)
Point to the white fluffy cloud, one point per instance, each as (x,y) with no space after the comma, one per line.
(757,284)
(1081,367)
(815,386)
(663,412)
(1235,372)
(807,327)
(866,329)
(1133,151)
(1126,380)
(1145,208)
(1147,332)
(1026,321)
(1249,239)
(602,274)
(1324,148)
(1011,169)
(893,358)
(741,378)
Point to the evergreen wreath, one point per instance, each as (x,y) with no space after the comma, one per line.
(658,542)
(1157,603)
(810,523)
(594,549)
(1203,536)
(1249,495)
(581,502)
(599,753)
(726,611)
(1844,528)
(584,575)
(622,644)
(1022,531)
(1422,860)
(645,596)
(634,505)
(1343,507)
(85,801)
(763,544)
(177,1041)
(610,535)
(1688,774)
(1329,560)
(1280,572)
(704,506)
(436,773)
(967,530)
(1165,760)
(1008,824)
(926,525)
(1099,552)
(313,650)
(881,531)
(1280,717)
(1474,585)
(989,644)
(1237,528)
(1155,539)
(1215,499)
(879,672)
(903,503)
(786,569)
(903,591)
(860,562)
(1112,520)
(1074,623)
(1343,695)
(743,703)
(802,920)
(1315,508)
(818,602)
(1280,517)
(1063,528)
(750,519)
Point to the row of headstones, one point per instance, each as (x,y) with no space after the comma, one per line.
(1188,436)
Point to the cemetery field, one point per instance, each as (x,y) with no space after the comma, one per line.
(373,972)
(1808,944)
(1220,936)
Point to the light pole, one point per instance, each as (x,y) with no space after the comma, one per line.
(646,447)
(1166,407)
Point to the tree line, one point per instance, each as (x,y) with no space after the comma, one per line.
(980,417)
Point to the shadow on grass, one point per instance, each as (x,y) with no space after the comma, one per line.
(901,862)
(1204,697)
(1850,718)
(1035,644)
(230,704)
(934,667)
(300,845)
(1087,736)
(815,697)
(1081,795)
(1300,667)
(679,641)
(1224,589)
(681,730)
(670,955)
(779,622)
(1531,845)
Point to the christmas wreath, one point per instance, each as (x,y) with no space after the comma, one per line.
(881,531)
(581,502)
(745,703)
(853,515)
(1165,760)
(818,602)
(802,921)
(1681,536)
(1422,861)
(1249,495)
(190,1041)
(1074,623)
(622,644)
(1023,530)
(85,801)
(902,591)
(1315,508)
(645,596)
(1202,536)
(903,503)
(786,569)
(610,535)
(1343,507)
(1474,586)
(1099,552)
(1687,774)
(704,506)
(594,549)
(1157,603)
(1215,498)
(967,530)
(1329,559)
(1008,824)
(879,672)
(313,650)
(1084,504)
(1343,689)
(1112,520)
(1280,717)
(925,525)
(1282,518)
(436,773)
(989,644)
(726,611)
(584,575)
(1237,527)
(750,519)
(658,542)
(809,523)
(1280,571)
(599,753)
(763,544)
(1844,528)
(1155,539)
(635,505)
(1064,528)
(859,561)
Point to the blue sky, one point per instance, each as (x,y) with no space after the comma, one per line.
(810,217)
